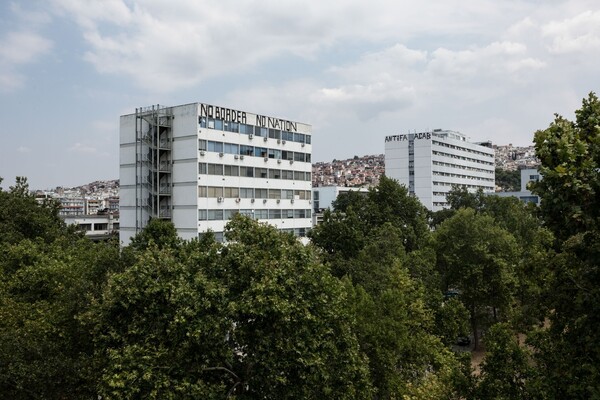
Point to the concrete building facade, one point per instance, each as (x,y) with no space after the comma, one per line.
(198,164)
(430,163)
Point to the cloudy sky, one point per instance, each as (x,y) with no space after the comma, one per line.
(356,70)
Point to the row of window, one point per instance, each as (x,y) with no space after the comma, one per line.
(220,237)
(252,172)
(436,183)
(252,193)
(246,129)
(451,146)
(477,178)
(252,151)
(443,164)
(225,215)
(475,160)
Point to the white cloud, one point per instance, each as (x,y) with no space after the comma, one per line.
(495,58)
(580,33)
(18,49)
(172,45)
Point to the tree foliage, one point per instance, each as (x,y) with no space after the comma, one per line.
(567,351)
(506,369)
(509,181)
(569,152)
(258,318)
(48,275)
(478,258)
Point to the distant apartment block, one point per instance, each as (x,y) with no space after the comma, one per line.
(96,227)
(430,163)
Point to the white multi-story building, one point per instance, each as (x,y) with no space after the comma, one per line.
(198,164)
(430,163)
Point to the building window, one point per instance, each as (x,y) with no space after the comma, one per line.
(247,172)
(217,147)
(274,174)
(231,192)
(232,170)
(247,193)
(275,214)
(261,214)
(261,172)
(215,169)
(214,191)
(275,193)
(274,134)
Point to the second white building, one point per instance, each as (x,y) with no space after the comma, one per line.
(430,163)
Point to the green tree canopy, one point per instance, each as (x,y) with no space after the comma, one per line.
(257,318)
(570,155)
(477,257)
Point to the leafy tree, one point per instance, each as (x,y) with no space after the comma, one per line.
(460,197)
(570,154)
(533,247)
(506,368)
(509,181)
(566,351)
(477,258)
(355,217)
(452,320)
(22,217)
(394,330)
(257,318)
(48,275)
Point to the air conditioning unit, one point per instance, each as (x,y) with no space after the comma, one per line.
(292,201)
(310,202)
(250,136)
(266,158)
(238,200)
(236,156)
(283,141)
(291,161)
(241,157)
(278,161)
(264,201)
(219,199)
(278,141)
(252,200)
(302,144)
(265,139)
(220,154)
(201,152)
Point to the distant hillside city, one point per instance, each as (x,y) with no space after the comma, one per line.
(102,197)
(365,171)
